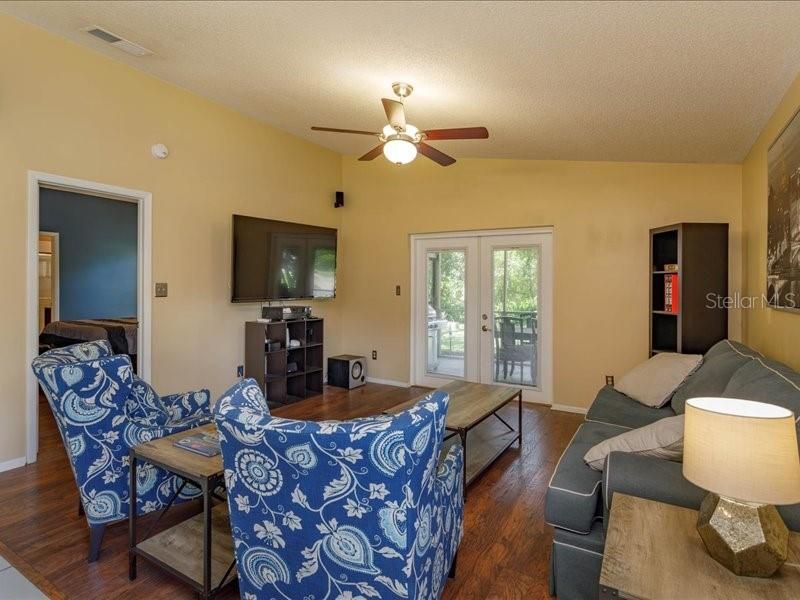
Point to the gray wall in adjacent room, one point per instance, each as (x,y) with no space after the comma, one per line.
(97,253)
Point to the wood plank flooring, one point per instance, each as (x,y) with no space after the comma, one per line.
(504,555)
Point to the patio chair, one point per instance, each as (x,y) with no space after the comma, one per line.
(509,331)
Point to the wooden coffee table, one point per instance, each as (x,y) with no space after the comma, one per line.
(653,552)
(199,550)
(471,404)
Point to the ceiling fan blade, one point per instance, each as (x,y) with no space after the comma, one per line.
(395,112)
(374,153)
(334,130)
(458,133)
(435,155)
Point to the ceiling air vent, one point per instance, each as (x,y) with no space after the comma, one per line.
(118,42)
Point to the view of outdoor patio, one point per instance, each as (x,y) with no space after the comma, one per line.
(513,322)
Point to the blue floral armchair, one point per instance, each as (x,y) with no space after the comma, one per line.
(102,409)
(340,510)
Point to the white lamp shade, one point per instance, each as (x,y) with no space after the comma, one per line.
(400,152)
(742,449)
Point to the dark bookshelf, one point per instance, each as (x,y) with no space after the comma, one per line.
(270,367)
(700,251)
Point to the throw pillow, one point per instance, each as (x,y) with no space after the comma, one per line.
(662,439)
(653,382)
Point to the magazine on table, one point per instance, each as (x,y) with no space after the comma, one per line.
(204,443)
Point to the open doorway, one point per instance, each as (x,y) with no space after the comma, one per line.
(48,278)
(88,275)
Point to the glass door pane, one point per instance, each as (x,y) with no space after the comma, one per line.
(514,318)
(446,312)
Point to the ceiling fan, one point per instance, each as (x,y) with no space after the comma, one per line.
(400,140)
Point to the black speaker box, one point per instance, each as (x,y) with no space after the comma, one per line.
(347,371)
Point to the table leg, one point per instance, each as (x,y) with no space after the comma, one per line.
(132,517)
(207,506)
(519,423)
(462,433)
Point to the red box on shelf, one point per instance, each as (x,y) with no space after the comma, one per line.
(671,293)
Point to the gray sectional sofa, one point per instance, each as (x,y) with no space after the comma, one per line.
(579,498)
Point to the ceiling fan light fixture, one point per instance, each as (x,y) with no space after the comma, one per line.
(400,141)
(399,152)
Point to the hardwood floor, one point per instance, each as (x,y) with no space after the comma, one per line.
(504,555)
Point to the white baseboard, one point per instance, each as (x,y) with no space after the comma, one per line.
(14,463)
(570,409)
(535,402)
(403,384)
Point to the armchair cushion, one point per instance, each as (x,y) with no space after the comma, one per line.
(340,509)
(144,406)
(188,405)
(147,408)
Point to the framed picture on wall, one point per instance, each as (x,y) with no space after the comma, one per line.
(783,219)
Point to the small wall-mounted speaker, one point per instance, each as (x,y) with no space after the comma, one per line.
(339,201)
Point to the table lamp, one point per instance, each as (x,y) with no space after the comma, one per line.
(745,454)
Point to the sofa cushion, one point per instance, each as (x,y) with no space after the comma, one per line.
(653,382)
(719,364)
(662,439)
(615,408)
(573,494)
(767,381)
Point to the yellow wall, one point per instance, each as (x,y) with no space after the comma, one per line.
(68,111)
(773,332)
(601,213)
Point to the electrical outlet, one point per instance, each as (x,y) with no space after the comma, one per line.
(610,380)
(397,290)
(374,355)
(240,371)
(161,290)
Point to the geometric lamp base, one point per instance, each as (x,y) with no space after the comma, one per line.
(749,539)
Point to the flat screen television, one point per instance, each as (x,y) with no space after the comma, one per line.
(276,260)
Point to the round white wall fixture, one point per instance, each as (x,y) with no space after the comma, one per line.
(159,151)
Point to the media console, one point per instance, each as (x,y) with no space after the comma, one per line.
(272,369)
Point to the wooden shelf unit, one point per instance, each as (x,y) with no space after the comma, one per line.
(270,368)
(701,252)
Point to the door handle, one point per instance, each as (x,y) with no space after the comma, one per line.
(484,328)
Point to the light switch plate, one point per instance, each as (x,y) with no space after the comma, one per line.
(161,290)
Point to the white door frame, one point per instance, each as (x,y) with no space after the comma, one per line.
(546,340)
(37,180)
(56,282)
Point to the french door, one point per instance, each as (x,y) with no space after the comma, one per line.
(482,310)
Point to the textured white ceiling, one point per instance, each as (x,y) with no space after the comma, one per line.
(677,82)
